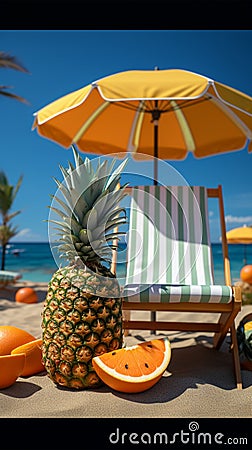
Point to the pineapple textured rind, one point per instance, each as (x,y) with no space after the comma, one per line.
(77,325)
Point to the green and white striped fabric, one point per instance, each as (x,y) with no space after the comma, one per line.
(169,249)
(6,275)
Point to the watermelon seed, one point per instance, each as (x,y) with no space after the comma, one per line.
(146,365)
(126,366)
(114,353)
(149,345)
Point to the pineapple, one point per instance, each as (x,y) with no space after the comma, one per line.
(82,314)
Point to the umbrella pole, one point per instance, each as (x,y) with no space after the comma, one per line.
(155,152)
(155,118)
(245,254)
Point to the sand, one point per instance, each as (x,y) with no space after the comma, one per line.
(199,382)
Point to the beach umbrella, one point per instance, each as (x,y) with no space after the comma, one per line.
(159,113)
(240,235)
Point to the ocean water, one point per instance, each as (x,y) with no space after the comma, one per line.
(35,261)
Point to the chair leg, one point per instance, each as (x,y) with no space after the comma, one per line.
(126,317)
(153,319)
(219,337)
(225,321)
(236,358)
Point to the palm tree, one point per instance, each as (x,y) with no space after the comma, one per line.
(7,191)
(10,62)
(7,197)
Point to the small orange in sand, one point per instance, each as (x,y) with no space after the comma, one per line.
(246,274)
(33,357)
(26,295)
(11,337)
(11,367)
(136,368)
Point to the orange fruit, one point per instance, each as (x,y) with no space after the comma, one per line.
(246,274)
(136,368)
(11,337)
(26,295)
(33,357)
(11,367)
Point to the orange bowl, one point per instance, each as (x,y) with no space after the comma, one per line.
(11,367)
(11,337)
(26,295)
(33,357)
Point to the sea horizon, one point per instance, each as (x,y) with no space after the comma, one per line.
(35,260)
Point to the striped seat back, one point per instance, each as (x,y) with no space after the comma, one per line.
(169,240)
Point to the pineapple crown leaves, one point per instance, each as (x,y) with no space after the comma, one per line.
(90,210)
(82,186)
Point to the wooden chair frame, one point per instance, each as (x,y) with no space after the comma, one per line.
(227,311)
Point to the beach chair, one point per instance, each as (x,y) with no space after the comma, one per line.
(170,265)
(7,278)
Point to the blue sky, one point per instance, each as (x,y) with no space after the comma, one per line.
(62,61)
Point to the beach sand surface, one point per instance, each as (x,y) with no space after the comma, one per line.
(199,382)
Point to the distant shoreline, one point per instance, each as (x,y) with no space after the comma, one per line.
(37,261)
(47,242)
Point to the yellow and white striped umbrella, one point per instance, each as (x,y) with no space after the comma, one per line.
(240,235)
(160,113)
